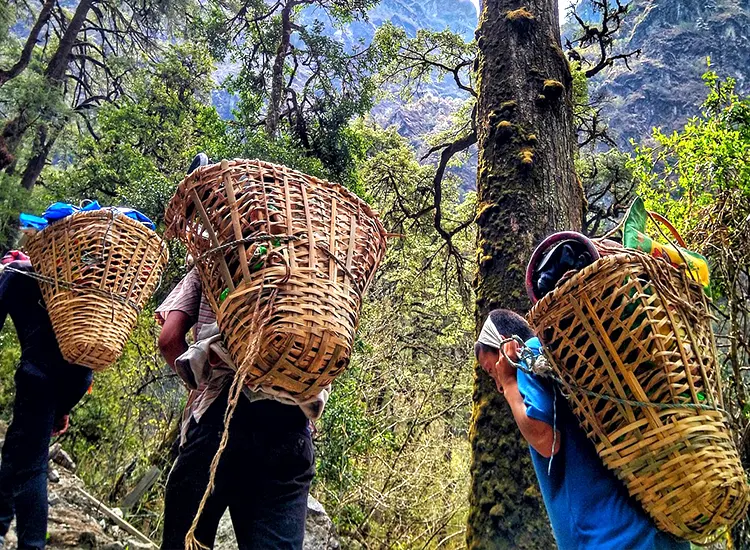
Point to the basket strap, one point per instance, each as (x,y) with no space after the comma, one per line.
(229,188)
(658,218)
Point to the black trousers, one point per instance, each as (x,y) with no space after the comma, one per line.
(43,394)
(263,477)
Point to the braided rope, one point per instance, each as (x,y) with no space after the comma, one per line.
(235,391)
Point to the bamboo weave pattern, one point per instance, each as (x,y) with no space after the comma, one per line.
(635,328)
(310,246)
(98,269)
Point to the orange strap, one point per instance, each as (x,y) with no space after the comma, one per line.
(658,218)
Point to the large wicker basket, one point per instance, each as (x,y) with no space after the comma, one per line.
(309,247)
(97,270)
(630,337)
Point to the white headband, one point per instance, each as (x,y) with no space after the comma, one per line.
(489,336)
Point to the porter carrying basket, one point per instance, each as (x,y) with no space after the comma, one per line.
(630,338)
(298,249)
(97,269)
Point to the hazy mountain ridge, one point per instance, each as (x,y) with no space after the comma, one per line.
(664,88)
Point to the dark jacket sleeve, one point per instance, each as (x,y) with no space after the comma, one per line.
(6,294)
(10,289)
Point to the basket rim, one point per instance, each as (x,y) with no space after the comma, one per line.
(578,279)
(103,213)
(192,178)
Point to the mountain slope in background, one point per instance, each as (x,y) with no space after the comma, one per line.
(460,16)
(664,88)
(433,107)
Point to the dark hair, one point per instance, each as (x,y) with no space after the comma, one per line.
(507,323)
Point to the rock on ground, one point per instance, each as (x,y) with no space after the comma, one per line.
(72,521)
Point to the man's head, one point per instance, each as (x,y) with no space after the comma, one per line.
(506,324)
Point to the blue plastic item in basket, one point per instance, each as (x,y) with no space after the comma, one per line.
(137,216)
(30,221)
(60,210)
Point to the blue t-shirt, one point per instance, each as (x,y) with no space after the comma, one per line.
(589,508)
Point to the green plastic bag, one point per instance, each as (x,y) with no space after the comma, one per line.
(635,237)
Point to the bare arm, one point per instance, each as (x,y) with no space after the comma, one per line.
(538,434)
(172,342)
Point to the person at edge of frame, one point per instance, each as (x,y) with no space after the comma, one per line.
(588,507)
(47,388)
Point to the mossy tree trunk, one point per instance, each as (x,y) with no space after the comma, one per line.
(527,189)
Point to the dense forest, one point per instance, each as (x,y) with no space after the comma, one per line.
(110,100)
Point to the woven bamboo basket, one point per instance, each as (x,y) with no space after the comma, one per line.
(96,269)
(630,337)
(309,247)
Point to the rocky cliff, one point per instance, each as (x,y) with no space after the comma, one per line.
(664,87)
(460,16)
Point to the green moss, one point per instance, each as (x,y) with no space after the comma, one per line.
(561,55)
(483,209)
(484,260)
(497,511)
(508,106)
(504,131)
(504,125)
(526,156)
(532,492)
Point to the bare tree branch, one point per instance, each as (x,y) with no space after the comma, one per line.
(28,48)
(599,37)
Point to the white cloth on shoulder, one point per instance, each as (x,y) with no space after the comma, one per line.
(196,365)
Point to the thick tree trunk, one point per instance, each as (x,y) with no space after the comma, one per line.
(57,66)
(43,143)
(527,188)
(277,77)
(16,129)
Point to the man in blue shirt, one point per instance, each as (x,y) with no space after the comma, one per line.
(588,506)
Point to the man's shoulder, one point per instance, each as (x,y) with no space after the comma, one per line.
(18,273)
(185,296)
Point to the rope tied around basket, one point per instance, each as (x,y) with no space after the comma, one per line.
(539,365)
(235,392)
(275,240)
(261,238)
(71,286)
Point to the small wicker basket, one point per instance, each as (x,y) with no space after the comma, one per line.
(309,247)
(96,269)
(630,337)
